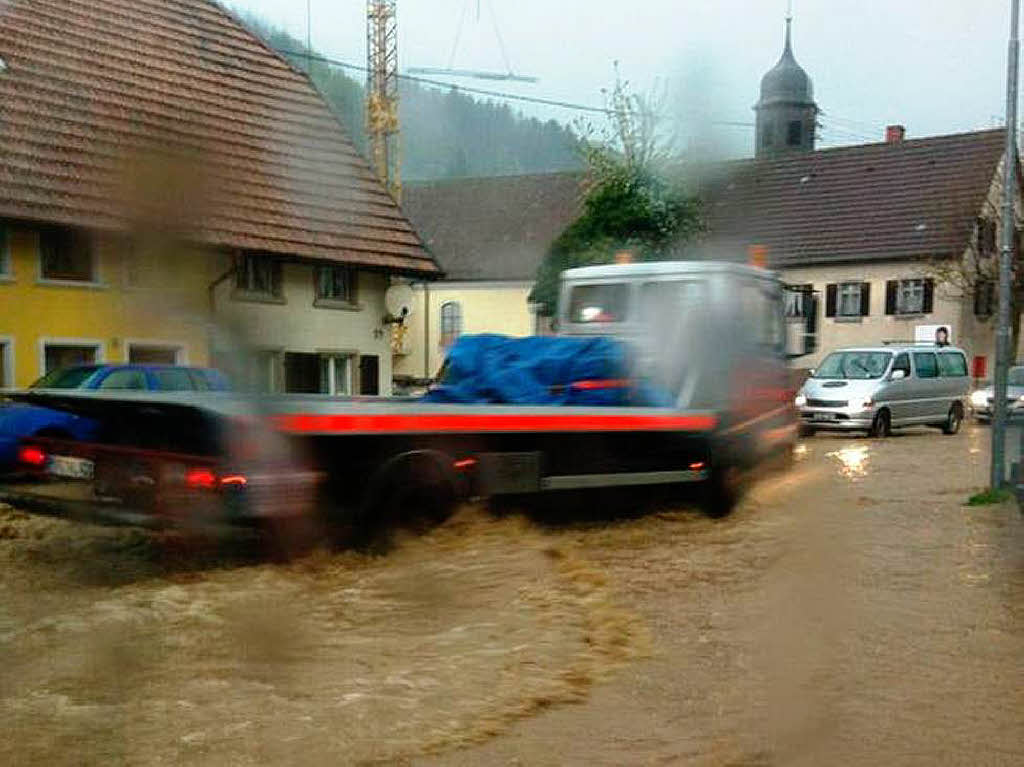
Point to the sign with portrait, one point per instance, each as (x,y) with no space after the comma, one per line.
(934,334)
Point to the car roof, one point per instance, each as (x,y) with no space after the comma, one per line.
(907,347)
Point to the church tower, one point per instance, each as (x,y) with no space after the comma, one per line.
(786,112)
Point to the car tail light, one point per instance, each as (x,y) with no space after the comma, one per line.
(33,456)
(200,478)
(234,480)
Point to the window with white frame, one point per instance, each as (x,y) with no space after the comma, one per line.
(849,299)
(335,283)
(451,322)
(66,255)
(797,300)
(62,355)
(910,297)
(336,372)
(258,274)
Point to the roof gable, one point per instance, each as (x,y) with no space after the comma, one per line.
(92,86)
(496,228)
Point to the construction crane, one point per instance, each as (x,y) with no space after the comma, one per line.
(382,93)
(452,71)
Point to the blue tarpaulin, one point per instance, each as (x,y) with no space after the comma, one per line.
(541,371)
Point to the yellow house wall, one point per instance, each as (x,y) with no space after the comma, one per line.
(161,305)
(492,307)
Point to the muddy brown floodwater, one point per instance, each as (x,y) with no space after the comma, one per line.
(853,611)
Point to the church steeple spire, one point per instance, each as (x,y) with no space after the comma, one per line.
(786,112)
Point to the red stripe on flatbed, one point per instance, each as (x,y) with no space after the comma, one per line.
(433,423)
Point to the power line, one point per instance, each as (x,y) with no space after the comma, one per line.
(484,91)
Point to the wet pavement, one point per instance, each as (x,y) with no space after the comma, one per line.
(853,611)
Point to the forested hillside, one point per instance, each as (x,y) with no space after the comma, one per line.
(445,133)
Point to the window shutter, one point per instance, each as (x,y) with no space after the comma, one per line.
(891,289)
(865,299)
(929,291)
(831,294)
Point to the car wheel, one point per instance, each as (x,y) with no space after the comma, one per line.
(882,425)
(954,419)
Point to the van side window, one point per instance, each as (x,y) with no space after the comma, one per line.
(902,363)
(952,365)
(926,365)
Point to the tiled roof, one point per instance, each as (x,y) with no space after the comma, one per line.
(92,86)
(918,198)
(496,228)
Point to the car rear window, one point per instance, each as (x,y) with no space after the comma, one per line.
(66,378)
(173,379)
(125,378)
(952,365)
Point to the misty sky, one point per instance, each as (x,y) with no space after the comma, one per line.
(937,66)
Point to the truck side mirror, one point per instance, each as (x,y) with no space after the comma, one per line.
(898,375)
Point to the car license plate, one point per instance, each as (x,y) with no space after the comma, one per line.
(69,467)
(824,416)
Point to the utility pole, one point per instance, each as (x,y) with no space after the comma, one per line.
(1003,331)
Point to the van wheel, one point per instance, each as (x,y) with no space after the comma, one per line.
(954,419)
(882,425)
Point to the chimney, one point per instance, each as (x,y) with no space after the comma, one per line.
(894,134)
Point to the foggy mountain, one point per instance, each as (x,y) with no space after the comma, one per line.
(444,133)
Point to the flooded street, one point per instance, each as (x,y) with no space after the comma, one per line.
(853,611)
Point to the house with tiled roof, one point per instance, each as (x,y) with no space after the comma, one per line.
(173,190)
(489,235)
(866,236)
(863,235)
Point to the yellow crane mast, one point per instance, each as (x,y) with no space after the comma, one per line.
(382,93)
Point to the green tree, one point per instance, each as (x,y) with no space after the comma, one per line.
(631,202)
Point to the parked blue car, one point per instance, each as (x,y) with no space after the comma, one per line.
(19,420)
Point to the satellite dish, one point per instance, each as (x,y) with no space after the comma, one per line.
(398,301)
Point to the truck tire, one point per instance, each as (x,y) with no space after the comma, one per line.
(413,491)
(721,491)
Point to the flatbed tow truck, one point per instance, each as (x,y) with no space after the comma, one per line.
(713,334)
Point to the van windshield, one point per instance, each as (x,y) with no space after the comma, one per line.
(854,365)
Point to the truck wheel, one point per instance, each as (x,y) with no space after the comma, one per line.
(954,419)
(882,425)
(722,491)
(412,491)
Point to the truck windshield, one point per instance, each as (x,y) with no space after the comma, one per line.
(608,302)
(854,365)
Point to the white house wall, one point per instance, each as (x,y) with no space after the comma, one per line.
(296,325)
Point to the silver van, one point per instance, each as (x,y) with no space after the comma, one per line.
(875,389)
